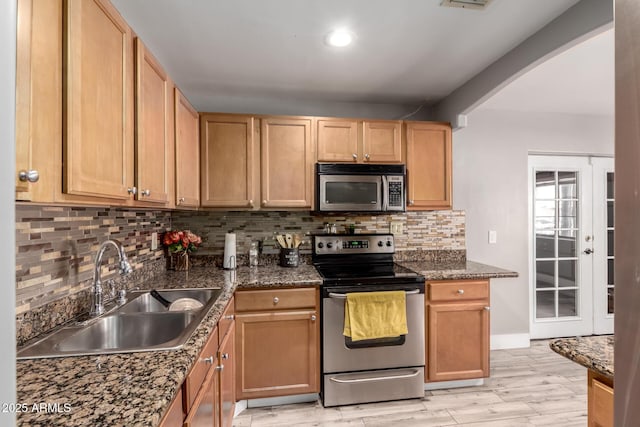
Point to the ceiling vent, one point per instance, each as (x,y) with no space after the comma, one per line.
(466,4)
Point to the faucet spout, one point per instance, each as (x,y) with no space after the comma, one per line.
(97,306)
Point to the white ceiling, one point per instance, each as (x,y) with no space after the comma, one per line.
(405,52)
(579,80)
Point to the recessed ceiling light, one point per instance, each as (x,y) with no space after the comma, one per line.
(339,38)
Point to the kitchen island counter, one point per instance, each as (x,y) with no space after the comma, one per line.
(456,270)
(594,353)
(135,388)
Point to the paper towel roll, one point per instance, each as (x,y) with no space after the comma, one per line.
(229,261)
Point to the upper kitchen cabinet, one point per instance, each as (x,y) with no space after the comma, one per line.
(229,156)
(428,165)
(154,124)
(98,86)
(368,141)
(38,99)
(187,153)
(287,162)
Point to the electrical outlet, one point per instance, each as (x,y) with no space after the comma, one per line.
(493,236)
(395,227)
(154,241)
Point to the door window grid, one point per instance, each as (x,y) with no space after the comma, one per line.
(556,230)
(610,241)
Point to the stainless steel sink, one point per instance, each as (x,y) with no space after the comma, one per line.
(142,301)
(141,324)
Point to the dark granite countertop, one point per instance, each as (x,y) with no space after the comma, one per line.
(135,389)
(457,270)
(595,353)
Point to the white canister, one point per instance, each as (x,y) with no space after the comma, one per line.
(229,260)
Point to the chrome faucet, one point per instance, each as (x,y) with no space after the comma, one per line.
(97,306)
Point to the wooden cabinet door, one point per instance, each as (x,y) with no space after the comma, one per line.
(278,354)
(153,117)
(428,166)
(382,141)
(98,148)
(337,140)
(187,153)
(226,358)
(287,163)
(228,161)
(205,407)
(458,341)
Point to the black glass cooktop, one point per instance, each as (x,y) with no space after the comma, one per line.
(371,273)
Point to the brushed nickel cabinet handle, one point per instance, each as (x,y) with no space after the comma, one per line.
(219,368)
(367,156)
(145,192)
(276,300)
(29,176)
(225,356)
(313,317)
(132,190)
(411,202)
(181,200)
(461,291)
(230,317)
(487,308)
(355,156)
(208,360)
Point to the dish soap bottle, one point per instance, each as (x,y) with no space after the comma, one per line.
(253,254)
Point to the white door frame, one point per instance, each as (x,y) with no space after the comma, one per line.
(582,323)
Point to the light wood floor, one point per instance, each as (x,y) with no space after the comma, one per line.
(528,387)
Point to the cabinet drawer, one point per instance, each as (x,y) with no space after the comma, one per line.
(458,290)
(205,361)
(601,404)
(226,319)
(275,299)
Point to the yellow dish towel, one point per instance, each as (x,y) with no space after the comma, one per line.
(371,315)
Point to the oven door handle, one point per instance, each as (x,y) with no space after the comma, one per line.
(344,296)
(364,380)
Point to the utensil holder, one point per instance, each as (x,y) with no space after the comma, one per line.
(289,257)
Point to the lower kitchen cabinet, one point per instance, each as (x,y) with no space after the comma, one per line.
(226,366)
(174,416)
(457,327)
(600,400)
(278,342)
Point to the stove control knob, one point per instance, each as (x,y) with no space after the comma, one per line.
(388,243)
(321,245)
(329,245)
(380,243)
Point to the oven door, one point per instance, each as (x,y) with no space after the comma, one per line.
(349,193)
(340,354)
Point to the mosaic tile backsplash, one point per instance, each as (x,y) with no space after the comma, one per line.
(56,247)
(422,231)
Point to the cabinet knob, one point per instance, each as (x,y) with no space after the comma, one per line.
(145,192)
(264,202)
(355,156)
(367,156)
(411,202)
(313,317)
(460,291)
(251,203)
(487,308)
(219,368)
(30,176)
(181,200)
(208,360)
(230,316)
(132,190)
(225,356)
(276,300)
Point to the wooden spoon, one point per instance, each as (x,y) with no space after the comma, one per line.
(280,239)
(289,239)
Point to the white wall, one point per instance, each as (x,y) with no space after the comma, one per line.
(490,184)
(7,223)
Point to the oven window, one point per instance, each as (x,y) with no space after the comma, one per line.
(361,193)
(379,342)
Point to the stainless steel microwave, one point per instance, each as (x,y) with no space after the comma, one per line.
(345,187)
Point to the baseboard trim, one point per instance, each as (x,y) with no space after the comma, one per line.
(282,400)
(507,341)
(453,384)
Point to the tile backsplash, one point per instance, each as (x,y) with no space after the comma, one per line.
(432,230)
(56,247)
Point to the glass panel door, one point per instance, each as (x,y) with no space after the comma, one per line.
(560,217)
(603,227)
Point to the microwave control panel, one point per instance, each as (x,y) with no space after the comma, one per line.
(395,192)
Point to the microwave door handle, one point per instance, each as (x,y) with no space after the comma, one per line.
(385,193)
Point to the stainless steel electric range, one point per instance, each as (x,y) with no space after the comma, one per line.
(367,370)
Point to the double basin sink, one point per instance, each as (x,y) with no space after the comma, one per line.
(143,323)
